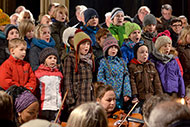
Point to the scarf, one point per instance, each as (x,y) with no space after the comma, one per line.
(86,58)
(43,44)
(131,44)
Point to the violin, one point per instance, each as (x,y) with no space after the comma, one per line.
(120,119)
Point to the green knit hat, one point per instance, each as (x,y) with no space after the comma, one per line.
(130,27)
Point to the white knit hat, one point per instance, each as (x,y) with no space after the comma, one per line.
(162,40)
(69,32)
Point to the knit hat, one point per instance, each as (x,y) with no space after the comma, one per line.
(130,27)
(149,19)
(4,18)
(108,42)
(136,47)
(165,33)
(46,52)
(79,37)
(24,100)
(162,40)
(69,32)
(115,11)
(89,13)
(8,28)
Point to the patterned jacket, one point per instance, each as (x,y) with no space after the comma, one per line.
(118,78)
(78,84)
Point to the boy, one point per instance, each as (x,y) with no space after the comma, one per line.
(15,71)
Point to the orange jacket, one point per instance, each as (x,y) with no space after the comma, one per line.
(17,72)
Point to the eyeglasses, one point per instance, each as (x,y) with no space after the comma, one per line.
(177,25)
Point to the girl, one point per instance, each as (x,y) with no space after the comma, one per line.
(133,32)
(165,59)
(91,24)
(184,53)
(113,71)
(42,40)
(25,15)
(26,105)
(149,31)
(50,84)
(143,75)
(26,29)
(77,71)
(60,19)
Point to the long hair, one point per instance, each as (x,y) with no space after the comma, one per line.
(182,37)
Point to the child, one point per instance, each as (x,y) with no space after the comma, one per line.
(187,96)
(144,77)
(26,29)
(60,19)
(184,53)
(165,59)
(133,32)
(117,27)
(25,15)
(41,40)
(50,84)
(91,24)
(15,71)
(77,71)
(113,70)
(13,18)
(11,31)
(88,115)
(45,19)
(149,31)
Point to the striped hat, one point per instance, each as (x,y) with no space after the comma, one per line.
(115,11)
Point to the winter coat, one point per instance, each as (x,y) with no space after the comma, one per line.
(138,21)
(118,32)
(127,50)
(17,72)
(78,84)
(184,57)
(147,38)
(91,32)
(57,29)
(37,46)
(117,76)
(170,75)
(4,52)
(28,48)
(144,79)
(50,80)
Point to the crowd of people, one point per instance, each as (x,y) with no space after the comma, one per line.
(106,71)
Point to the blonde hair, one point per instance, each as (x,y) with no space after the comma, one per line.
(24,27)
(62,8)
(38,30)
(88,115)
(14,43)
(183,35)
(21,16)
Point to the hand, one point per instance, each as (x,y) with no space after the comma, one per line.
(135,100)
(126,98)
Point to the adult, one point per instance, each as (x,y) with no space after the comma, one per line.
(184,20)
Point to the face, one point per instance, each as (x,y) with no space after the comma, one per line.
(101,41)
(93,21)
(51,61)
(71,41)
(151,28)
(60,16)
(167,14)
(176,27)
(19,52)
(77,13)
(84,48)
(184,22)
(135,36)
(26,15)
(108,21)
(112,51)
(118,19)
(45,34)
(188,38)
(142,54)
(45,20)
(14,19)
(13,34)
(30,34)
(30,113)
(142,14)
(165,49)
(108,101)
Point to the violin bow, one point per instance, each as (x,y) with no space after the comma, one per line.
(61,106)
(128,114)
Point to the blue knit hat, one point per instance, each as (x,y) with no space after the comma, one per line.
(89,13)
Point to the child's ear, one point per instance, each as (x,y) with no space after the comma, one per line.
(98,99)
(12,50)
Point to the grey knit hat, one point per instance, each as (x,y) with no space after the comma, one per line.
(149,19)
(8,28)
(46,52)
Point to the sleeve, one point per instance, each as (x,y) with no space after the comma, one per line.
(179,64)
(157,83)
(133,82)
(101,72)
(34,59)
(68,71)
(127,85)
(31,84)
(181,83)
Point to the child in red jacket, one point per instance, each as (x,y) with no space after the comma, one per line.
(15,71)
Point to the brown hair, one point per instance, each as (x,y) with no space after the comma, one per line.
(101,32)
(14,43)
(64,9)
